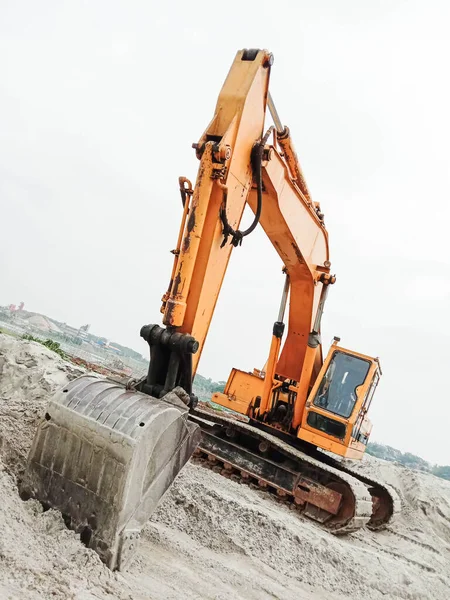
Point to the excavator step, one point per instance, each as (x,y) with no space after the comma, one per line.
(104,456)
(325,491)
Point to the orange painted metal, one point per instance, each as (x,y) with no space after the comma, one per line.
(186,191)
(270,374)
(241,391)
(290,155)
(301,241)
(237,124)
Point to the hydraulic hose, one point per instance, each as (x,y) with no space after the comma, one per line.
(256,160)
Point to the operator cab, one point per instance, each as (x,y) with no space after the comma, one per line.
(335,414)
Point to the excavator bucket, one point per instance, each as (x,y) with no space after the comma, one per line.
(104,456)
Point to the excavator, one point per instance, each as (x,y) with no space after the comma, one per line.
(105,453)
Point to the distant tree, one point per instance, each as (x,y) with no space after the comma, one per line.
(205,388)
(217,386)
(443,471)
(415,462)
(407,459)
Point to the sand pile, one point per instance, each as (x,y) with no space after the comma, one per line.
(210,538)
(41,322)
(29,374)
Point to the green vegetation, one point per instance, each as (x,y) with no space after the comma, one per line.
(7,332)
(443,471)
(205,388)
(407,459)
(68,339)
(50,344)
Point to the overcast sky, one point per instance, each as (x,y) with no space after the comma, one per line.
(99,104)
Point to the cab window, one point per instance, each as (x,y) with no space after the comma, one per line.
(337,390)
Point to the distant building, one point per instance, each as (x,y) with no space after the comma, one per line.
(108,346)
(80,332)
(14,308)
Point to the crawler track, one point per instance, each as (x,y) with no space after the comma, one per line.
(386,502)
(319,486)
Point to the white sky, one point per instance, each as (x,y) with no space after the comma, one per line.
(99,104)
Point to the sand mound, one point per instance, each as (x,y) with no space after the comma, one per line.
(210,538)
(29,374)
(41,322)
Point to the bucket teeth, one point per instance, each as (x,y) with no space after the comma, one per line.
(104,456)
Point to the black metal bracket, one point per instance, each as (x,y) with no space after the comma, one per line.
(170,362)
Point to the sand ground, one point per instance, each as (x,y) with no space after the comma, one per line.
(211,538)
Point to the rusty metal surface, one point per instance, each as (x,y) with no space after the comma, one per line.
(318,495)
(294,502)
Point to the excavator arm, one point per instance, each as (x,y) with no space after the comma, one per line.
(225,169)
(229,152)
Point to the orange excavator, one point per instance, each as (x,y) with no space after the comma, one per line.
(104,455)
